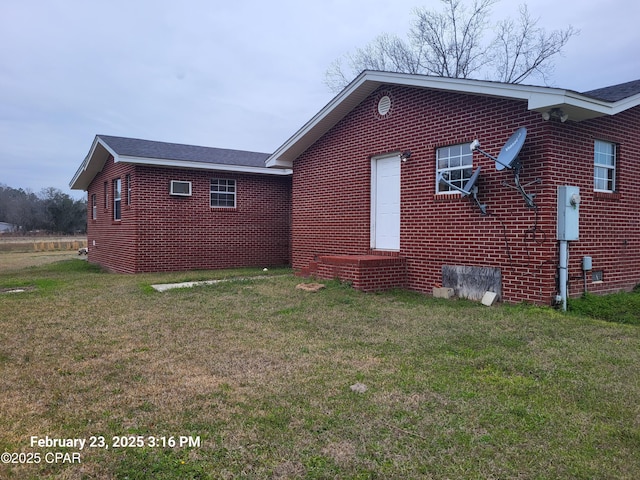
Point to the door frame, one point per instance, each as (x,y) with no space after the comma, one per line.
(374,198)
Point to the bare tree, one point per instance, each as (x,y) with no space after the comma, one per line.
(450,42)
(454,43)
(385,53)
(524,49)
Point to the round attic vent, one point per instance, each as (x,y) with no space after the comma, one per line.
(384,105)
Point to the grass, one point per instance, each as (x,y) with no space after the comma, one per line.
(261,372)
(618,307)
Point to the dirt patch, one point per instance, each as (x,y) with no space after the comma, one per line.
(310,287)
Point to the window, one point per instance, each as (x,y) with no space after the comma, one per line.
(604,172)
(127,180)
(94,207)
(117,189)
(223,193)
(180,188)
(456,165)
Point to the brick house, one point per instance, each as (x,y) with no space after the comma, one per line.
(377,175)
(155,206)
(375,190)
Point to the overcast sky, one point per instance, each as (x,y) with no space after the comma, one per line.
(242,74)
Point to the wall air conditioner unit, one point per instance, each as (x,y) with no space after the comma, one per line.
(180,188)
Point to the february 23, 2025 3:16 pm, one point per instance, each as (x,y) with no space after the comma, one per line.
(118,441)
(94,441)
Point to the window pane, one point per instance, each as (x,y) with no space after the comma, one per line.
(223,193)
(604,171)
(455,163)
(117,184)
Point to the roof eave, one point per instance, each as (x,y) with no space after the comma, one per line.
(581,107)
(366,83)
(100,152)
(541,99)
(91,165)
(325,119)
(193,165)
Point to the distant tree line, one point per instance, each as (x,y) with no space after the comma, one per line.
(51,211)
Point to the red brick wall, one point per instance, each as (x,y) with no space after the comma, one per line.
(609,223)
(112,244)
(368,274)
(331,192)
(160,232)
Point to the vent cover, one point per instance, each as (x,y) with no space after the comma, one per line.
(384,105)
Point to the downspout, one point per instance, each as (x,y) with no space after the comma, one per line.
(563,272)
(567,230)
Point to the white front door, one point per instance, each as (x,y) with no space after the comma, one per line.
(385,203)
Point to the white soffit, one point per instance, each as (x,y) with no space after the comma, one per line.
(92,164)
(161,162)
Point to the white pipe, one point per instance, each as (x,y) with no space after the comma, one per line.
(563,273)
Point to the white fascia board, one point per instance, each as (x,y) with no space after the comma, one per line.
(565,97)
(459,85)
(541,99)
(161,162)
(321,122)
(85,163)
(538,98)
(89,164)
(367,82)
(626,103)
(108,148)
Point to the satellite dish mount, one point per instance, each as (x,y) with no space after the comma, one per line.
(470,188)
(508,158)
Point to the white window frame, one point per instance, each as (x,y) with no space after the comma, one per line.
(117,199)
(223,190)
(179,192)
(604,166)
(94,207)
(456,163)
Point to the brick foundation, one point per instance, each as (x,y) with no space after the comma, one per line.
(368,273)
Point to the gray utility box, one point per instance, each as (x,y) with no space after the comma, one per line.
(568,212)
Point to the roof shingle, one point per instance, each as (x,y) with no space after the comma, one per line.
(615,93)
(133,147)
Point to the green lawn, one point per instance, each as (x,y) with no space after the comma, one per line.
(254,377)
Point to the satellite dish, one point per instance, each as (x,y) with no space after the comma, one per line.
(468,189)
(471,182)
(507,158)
(511,149)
